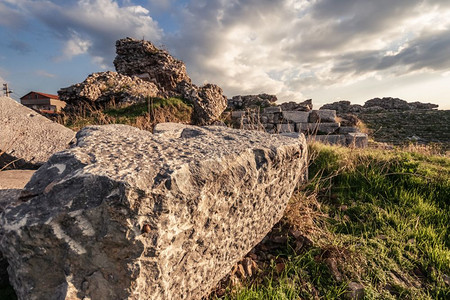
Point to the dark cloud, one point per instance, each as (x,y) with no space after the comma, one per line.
(11,18)
(429,51)
(19,46)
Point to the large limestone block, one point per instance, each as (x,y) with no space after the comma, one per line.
(333,139)
(296,116)
(127,214)
(27,137)
(322,116)
(317,128)
(283,128)
(357,139)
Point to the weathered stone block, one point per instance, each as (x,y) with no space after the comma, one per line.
(317,128)
(334,139)
(126,214)
(272,109)
(347,129)
(281,128)
(358,140)
(296,116)
(322,116)
(28,138)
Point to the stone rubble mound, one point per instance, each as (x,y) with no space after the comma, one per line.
(378,104)
(343,107)
(104,87)
(252,101)
(28,139)
(127,214)
(141,58)
(297,106)
(145,71)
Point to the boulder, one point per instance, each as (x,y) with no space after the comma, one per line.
(296,116)
(127,214)
(343,107)
(107,87)
(357,139)
(11,184)
(349,119)
(300,106)
(28,139)
(322,116)
(208,101)
(388,103)
(143,59)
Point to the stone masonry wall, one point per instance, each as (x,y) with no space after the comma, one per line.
(320,125)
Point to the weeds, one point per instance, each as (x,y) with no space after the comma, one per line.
(142,115)
(375,217)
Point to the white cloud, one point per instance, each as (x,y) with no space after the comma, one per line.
(93,26)
(74,46)
(292,46)
(44,74)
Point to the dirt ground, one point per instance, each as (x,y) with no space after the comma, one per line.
(14,179)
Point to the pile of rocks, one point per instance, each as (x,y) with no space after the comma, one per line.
(321,125)
(141,58)
(104,87)
(252,101)
(378,104)
(145,71)
(297,106)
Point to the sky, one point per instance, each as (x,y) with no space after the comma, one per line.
(327,50)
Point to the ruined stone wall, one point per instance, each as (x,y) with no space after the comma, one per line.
(321,125)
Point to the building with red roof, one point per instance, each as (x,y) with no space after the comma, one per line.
(42,102)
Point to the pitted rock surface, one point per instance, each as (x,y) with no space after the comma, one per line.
(126,214)
(143,59)
(208,100)
(27,138)
(105,87)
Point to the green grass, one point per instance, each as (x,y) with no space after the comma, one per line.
(143,115)
(385,222)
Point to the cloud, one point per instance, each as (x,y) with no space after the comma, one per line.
(44,74)
(93,26)
(10,17)
(287,47)
(20,46)
(74,46)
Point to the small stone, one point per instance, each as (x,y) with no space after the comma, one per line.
(355,291)
(446,279)
(280,267)
(343,208)
(146,228)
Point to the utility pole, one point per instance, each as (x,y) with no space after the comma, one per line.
(6,91)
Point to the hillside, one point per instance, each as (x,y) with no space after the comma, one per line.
(399,127)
